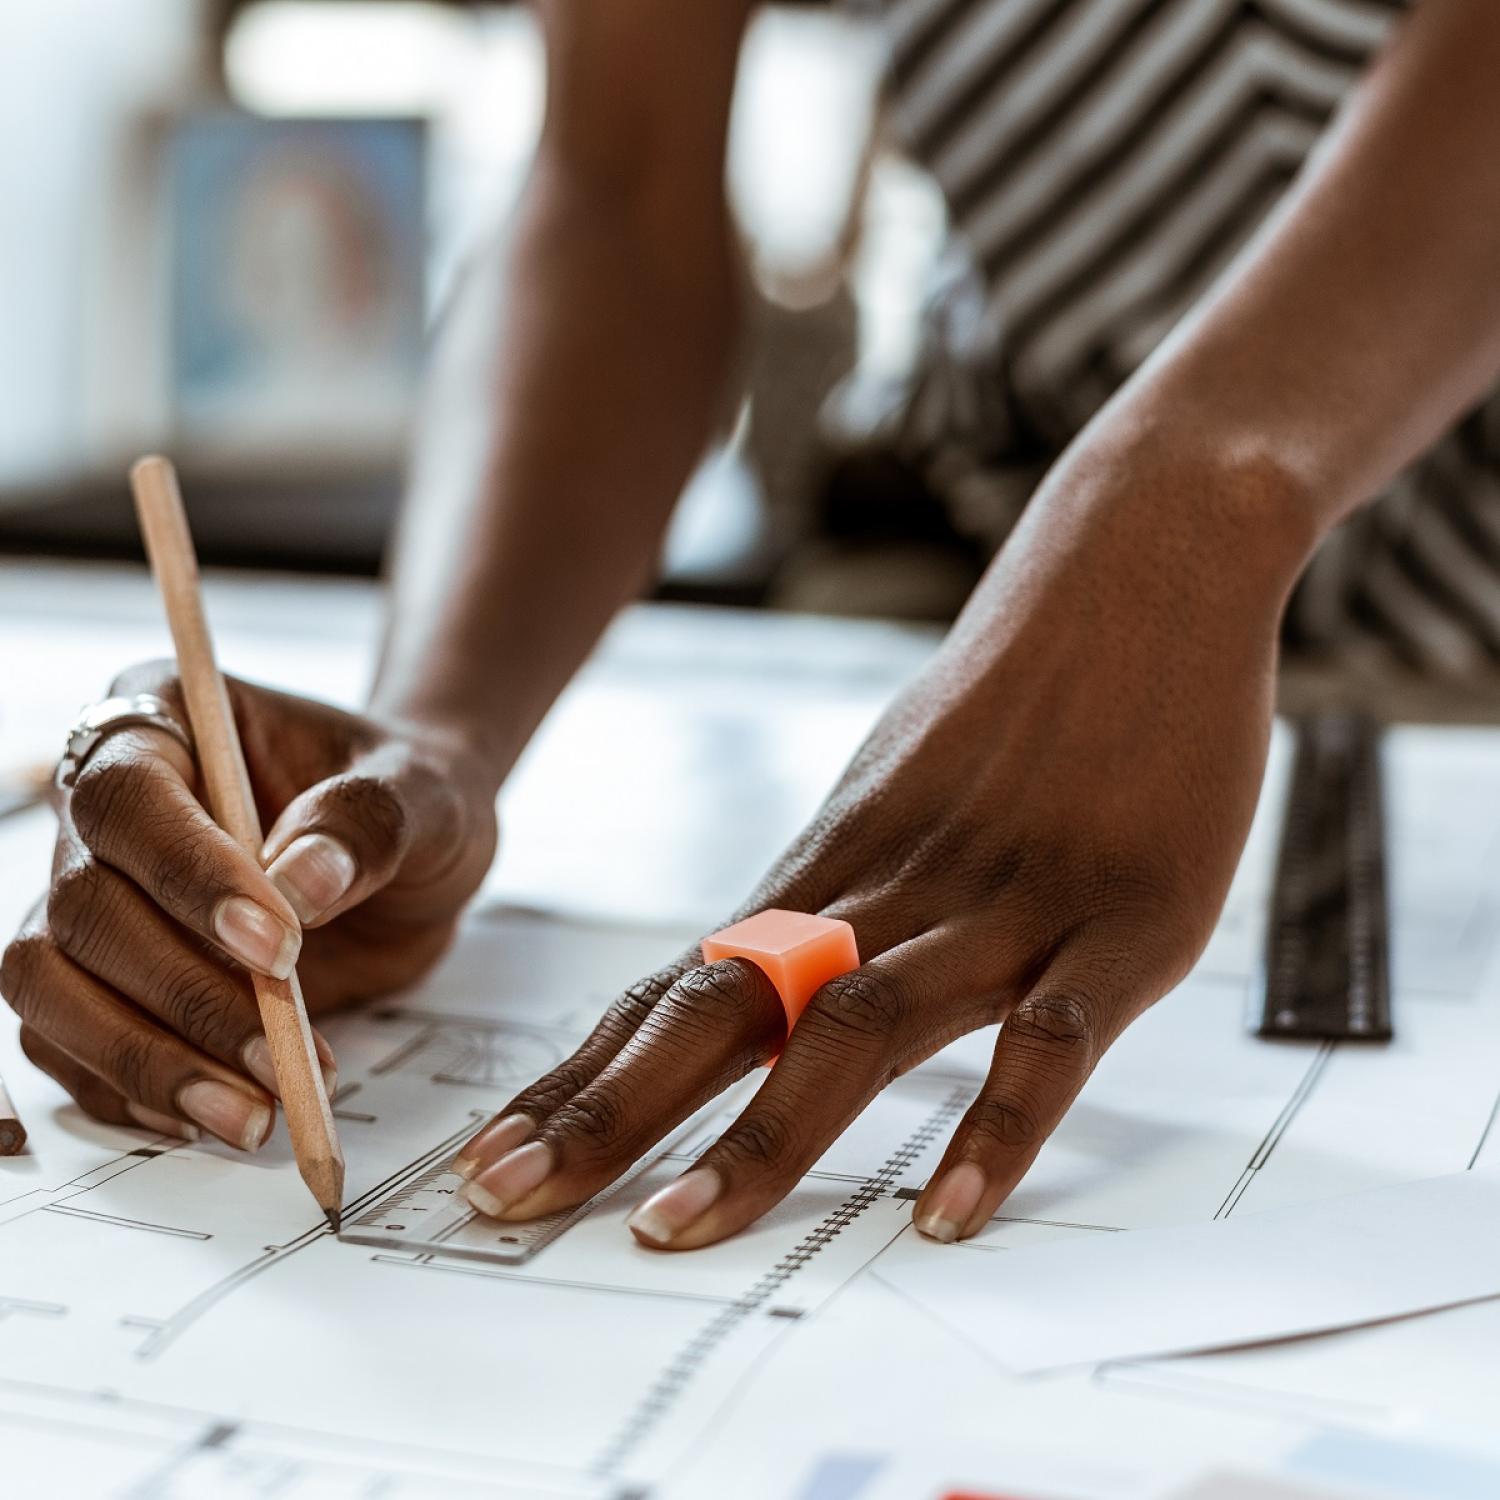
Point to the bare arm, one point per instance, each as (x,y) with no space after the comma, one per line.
(577,377)
(575,385)
(1042,831)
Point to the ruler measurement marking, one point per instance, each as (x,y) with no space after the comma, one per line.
(405,1220)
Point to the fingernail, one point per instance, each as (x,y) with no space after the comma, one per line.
(487,1203)
(324,1051)
(257,1060)
(664,1215)
(163,1124)
(515,1175)
(258,1063)
(235,1118)
(498,1137)
(313,872)
(951,1203)
(329,1063)
(255,937)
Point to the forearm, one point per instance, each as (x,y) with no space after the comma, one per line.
(571,392)
(1359,325)
(577,380)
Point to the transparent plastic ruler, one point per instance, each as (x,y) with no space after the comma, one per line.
(423,1214)
(1326,962)
(426,1214)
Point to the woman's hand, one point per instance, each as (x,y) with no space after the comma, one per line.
(131,977)
(1042,831)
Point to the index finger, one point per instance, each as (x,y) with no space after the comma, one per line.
(133,807)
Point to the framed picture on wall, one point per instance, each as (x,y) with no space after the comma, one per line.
(296,253)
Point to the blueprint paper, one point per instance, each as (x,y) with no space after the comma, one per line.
(1331,1264)
(175,1278)
(147,1288)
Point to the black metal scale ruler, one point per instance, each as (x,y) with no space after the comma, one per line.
(1327,967)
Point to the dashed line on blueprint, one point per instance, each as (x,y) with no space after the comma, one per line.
(690,1359)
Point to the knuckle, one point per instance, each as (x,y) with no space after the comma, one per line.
(75,904)
(865,1004)
(108,790)
(198,1003)
(371,804)
(1011,1123)
(185,879)
(613,1030)
(1059,1021)
(445,810)
(764,1139)
(639,1000)
(597,1118)
(21,968)
(717,992)
(550,1093)
(1131,882)
(127,1059)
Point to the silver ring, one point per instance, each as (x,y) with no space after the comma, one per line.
(100,720)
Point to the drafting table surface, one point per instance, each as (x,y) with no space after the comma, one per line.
(149,1293)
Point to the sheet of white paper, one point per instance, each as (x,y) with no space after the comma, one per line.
(1437,1369)
(176,1277)
(148,1291)
(1332,1264)
(874,1393)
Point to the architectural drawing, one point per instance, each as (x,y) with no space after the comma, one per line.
(150,1291)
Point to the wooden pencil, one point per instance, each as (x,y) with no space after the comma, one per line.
(221,763)
(12,1131)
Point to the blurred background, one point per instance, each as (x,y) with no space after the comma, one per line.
(238,217)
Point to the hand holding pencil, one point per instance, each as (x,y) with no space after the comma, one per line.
(296,1066)
(134,975)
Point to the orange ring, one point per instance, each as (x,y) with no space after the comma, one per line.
(799,953)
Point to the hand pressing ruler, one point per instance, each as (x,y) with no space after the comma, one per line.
(1326,960)
(424,1214)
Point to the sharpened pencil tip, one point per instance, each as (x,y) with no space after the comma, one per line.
(334,1219)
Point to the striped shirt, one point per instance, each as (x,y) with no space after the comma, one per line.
(1102,162)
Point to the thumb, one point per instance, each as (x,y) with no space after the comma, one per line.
(340,841)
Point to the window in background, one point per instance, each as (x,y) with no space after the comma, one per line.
(78,374)
(804,113)
(296,307)
(218,291)
(804,109)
